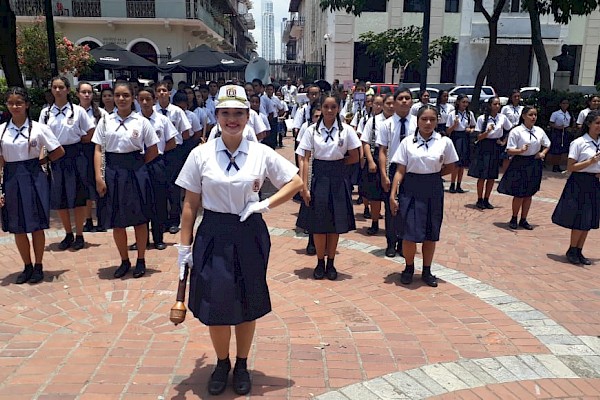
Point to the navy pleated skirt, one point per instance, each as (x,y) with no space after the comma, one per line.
(522,178)
(69,187)
(486,160)
(579,204)
(370,183)
(174,160)
(560,140)
(89,149)
(128,200)
(421,207)
(330,208)
(441,128)
(26,197)
(158,179)
(228,283)
(462,144)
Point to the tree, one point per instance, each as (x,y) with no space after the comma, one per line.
(32,50)
(402,46)
(8,45)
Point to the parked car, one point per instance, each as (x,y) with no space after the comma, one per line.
(433,94)
(384,88)
(528,91)
(487,92)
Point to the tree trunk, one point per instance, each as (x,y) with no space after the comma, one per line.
(8,46)
(538,45)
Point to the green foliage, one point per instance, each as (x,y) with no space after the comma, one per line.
(563,10)
(354,7)
(402,46)
(547,102)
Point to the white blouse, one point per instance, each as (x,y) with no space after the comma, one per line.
(329,144)
(17,144)
(425,156)
(535,138)
(583,148)
(68,123)
(134,133)
(499,123)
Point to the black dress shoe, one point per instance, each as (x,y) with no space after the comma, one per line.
(573,256)
(218,379)
(367,213)
(513,223)
(160,245)
(582,259)
(88,226)
(25,276)
(399,249)
(66,242)
(524,224)
(100,228)
(311,250)
(123,269)
(79,243)
(480,204)
(331,272)
(133,246)
(319,271)
(430,280)
(486,204)
(452,188)
(359,201)
(406,276)
(390,251)
(241,381)
(460,190)
(374,230)
(173,229)
(140,269)
(37,275)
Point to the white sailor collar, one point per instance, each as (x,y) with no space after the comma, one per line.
(322,128)
(242,148)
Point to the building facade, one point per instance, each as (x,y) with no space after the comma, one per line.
(153,29)
(335,36)
(268,31)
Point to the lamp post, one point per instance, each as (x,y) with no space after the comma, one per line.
(51,37)
(425,44)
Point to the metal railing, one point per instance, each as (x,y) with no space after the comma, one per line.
(27,7)
(87,8)
(141,9)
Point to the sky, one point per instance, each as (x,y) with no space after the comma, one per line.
(280,11)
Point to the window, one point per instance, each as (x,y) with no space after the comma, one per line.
(452,6)
(375,6)
(510,6)
(449,61)
(414,6)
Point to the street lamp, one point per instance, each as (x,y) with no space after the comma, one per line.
(51,37)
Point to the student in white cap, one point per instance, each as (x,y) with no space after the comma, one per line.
(231,250)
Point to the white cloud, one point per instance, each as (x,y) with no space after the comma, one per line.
(280,11)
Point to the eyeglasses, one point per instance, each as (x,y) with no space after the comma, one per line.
(17,104)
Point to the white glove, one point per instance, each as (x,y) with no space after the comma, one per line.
(184,256)
(255,207)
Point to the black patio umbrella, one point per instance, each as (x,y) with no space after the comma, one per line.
(202,58)
(111,56)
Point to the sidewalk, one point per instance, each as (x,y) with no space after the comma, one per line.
(510,318)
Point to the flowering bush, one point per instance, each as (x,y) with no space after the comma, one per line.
(32,50)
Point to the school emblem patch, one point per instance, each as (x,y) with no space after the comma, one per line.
(340,142)
(33,143)
(135,134)
(231,92)
(158,133)
(441,159)
(256,186)
(70,121)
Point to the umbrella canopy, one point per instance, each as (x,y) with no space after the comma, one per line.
(202,58)
(111,56)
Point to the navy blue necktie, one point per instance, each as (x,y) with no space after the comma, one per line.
(403,127)
(20,133)
(61,112)
(531,134)
(164,111)
(596,145)
(329,135)
(121,124)
(231,162)
(425,143)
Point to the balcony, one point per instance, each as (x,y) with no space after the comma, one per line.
(31,8)
(141,9)
(86,8)
(297,27)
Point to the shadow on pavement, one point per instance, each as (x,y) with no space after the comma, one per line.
(307,273)
(54,247)
(106,273)
(394,278)
(561,258)
(49,276)
(504,225)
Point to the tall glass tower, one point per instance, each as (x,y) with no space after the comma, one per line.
(268,31)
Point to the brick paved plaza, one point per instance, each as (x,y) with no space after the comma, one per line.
(511,319)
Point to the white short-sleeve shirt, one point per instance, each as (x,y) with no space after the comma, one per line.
(118,135)
(177,117)
(329,145)
(68,123)
(301,116)
(513,113)
(90,113)
(17,144)
(535,138)
(561,119)
(425,156)
(444,112)
(389,134)
(371,129)
(466,119)
(299,136)
(499,123)
(583,148)
(209,171)
(202,116)
(248,133)
(164,130)
(582,114)
(194,122)
(258,122)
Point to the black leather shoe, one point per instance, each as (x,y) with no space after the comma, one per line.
(311,250)
(374,230)
(88,226)
(241,381)
(460,190)
(480,204)
(78,244)
(390,251)
(25,276)
(582,259)
(331,273)
(406,277)
(367,213)
(133,246)
(399,249)
(123,269)
(452,188)
(319,271)
(218,379)
(430,280)
(573,256)
(359,200)
(173,229)
(513,224)
(160,245)
(524,224)
(100,228)
(66,242)
(37,275)
(486,204)
(140,269)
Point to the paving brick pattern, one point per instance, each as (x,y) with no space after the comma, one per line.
(510,319)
